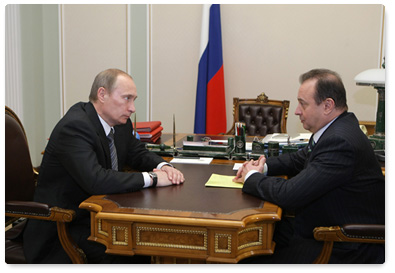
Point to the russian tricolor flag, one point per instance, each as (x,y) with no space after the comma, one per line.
(210,111)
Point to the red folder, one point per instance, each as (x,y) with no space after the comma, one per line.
(147,126)
(151,133)
(153,139)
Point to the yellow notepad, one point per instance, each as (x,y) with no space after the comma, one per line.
(224,181)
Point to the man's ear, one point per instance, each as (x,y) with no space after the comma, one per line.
(329,105)
(101,94)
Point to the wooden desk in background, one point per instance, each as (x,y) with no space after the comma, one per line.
(167,139)
(190,222)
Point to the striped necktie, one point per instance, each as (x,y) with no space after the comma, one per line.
(113,151)
(310,147)
(311,144)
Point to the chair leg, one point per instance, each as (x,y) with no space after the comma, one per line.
(75,253)
(325,254)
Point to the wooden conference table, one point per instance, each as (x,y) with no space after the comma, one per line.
(185,223)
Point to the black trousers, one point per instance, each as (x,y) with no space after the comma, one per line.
(52,252)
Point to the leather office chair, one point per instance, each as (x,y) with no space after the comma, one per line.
(348,233)
(261,115)
(20,179)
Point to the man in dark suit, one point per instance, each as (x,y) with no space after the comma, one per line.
(335,180)
(80,161)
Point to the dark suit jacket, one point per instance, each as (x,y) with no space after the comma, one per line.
(76,165)
(337,181)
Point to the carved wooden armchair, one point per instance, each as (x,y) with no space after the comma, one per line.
(261,115)
(374,234)
(20,179)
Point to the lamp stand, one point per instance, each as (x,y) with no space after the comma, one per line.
(378,138)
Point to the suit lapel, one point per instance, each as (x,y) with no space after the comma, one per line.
(311,145)
(339,118)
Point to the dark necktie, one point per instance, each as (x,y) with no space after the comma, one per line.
(113,151)
(310,147)
(311,144)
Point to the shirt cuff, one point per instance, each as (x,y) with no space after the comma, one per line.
(255,171)
(160,165)
(147,180)
(249,174)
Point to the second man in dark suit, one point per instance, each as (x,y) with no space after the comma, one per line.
(335,180)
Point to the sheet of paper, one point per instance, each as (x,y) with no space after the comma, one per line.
(223,181)
(248,146)
(201,160)
(237,166)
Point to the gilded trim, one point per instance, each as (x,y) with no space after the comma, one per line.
(286,112)
(170,230)
(114,236)
(256,243)
(228,248)
(262,97)
(99,228)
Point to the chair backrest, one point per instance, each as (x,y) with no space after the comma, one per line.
(19,173)
(261,115)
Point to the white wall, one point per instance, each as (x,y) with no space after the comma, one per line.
(40,74)
(265,49)
(94,38)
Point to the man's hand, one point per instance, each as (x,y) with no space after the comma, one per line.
(257,165)
(168,175)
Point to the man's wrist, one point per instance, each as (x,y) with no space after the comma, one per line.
(249,174)
(154,178)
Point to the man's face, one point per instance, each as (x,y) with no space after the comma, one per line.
(119,104)
(311,115)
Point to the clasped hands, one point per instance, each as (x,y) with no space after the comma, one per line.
(168,175)
(257,165)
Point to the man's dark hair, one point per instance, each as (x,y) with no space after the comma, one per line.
(329,85)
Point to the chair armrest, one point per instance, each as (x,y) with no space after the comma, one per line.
(38,211)
(354,233)
(365,232)
(62,217)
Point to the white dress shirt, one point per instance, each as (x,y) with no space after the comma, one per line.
(147,178)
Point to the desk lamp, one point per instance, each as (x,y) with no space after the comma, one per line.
(376,78)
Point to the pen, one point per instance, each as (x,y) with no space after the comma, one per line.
(187,157)
(217,143)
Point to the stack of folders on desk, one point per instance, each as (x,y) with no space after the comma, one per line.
(149,131)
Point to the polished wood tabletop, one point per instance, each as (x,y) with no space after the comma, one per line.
(188,222)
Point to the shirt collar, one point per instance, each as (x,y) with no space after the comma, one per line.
(319,133)
(106,127)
